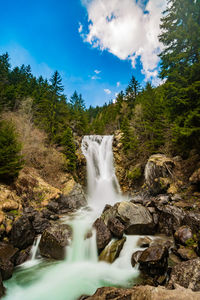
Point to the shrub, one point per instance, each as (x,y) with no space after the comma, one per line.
(11,161)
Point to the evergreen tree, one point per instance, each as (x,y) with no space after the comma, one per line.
(69,149)
(10,159)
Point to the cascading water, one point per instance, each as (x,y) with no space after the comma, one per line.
(81,272)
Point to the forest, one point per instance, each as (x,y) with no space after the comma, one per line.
(152,119)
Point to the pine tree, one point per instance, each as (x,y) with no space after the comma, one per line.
(69,149)
(10,159)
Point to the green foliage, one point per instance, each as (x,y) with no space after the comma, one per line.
(135,173)
(69,149)
(10,159)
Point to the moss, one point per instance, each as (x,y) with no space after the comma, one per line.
(135,173)
(14,212)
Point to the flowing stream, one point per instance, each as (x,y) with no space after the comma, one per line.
(80,273)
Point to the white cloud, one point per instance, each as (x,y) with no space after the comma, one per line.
(107,91)
(123,29)
(118,84)
(94,77)
(97,71)
(80,29)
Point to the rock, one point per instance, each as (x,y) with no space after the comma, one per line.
(183,234)
(173,260)
(102,233)
(153,260)
(144,242)
(195,178)
(22,234)
(23,256)
(54,241)
(40,224)
(164,242)
(186,274)
(10,205)
(135,257)
(136,218)
(116,227)
(29,185)
(144,293)
(158,173)
(53,206)
(112,251)
(2,288)
(73,198)
(163,199)
(47,214)
(170,218)
(186,253)
(192,219)
(7,258)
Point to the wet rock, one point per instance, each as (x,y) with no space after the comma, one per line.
(116,227)
(102,233)
(2,288)
(7,258)
(153,260)
(163,199)
(170,218)
(144,242)
(22,234)
(173,260)
(23,256)
(195,177)
(107,206)
(112,251)
(183,234)
(158,173)
(72,199)
(54,241)
(135,257)
(47,214)
(186,274)
(144,293)
(164,242)
(53,206)
(40,224)
(186,253)
(136,218)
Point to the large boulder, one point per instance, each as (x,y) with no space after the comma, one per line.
(54,241)
(136,218)
(153,260)
(7,258)
(116,227)
(72,198)
(158,173)
(186,274)
(170,218)
(144,293)
(103,234)
(112,251)
(2,288)
(22,233)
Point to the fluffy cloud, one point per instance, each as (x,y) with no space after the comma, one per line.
(97,71)
(107,91)
(125,30)
(118,84)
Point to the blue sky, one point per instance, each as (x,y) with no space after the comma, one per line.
(96,45)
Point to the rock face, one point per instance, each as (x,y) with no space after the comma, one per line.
(7,258)
(2,288)
(102,233)
(22,233)
(158,173)
(186,274)
(54,241)
(112,251)
(135,257)
(144,293)
(153,260)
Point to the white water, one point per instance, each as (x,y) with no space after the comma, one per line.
(81,273)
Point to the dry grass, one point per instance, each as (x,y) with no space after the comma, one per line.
(37,153)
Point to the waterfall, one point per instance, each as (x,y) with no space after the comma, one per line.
(81,273)
(34,249)
(103,187)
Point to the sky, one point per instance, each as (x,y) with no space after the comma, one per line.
(96,45)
